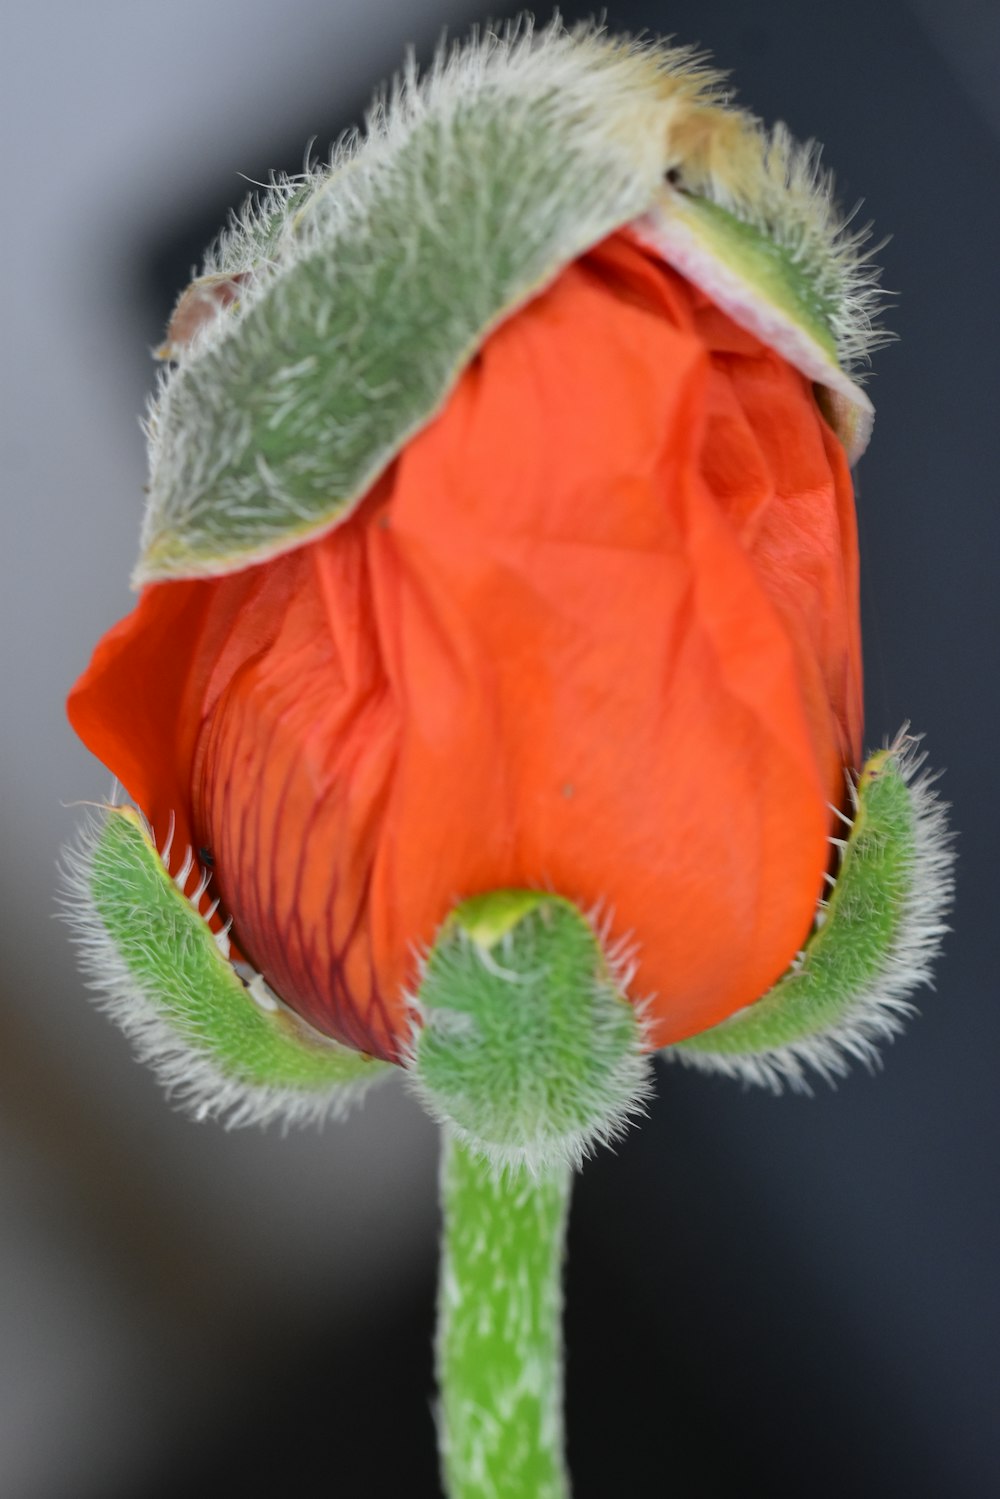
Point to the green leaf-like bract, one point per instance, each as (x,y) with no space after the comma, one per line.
(159,969)
(872,946)
(524,1045)
(369,285)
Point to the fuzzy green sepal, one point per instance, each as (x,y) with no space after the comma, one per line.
(873,941)
(771,288)
(522,1042)
(366,287)
(164,978)
(766,266)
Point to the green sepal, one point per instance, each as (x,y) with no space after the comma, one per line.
(769,289)
(276,431)
(370,284)
(766,266)
(873,941)
(165,979)
(523,1043)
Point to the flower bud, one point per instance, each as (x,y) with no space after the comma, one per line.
(501,536)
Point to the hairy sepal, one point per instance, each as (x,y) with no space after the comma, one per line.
(522,1041)
(160,972)
(771,286)
(336,314)
(874,941)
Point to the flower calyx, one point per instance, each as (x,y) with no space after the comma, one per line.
(523,1042)
(874,940)
(225,1048)
(385,270)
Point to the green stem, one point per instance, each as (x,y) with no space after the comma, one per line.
(499,1348)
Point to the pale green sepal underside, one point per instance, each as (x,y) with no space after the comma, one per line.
(395,271)
(499,1338)
(522,1041)
(765,288)
(365,287)
(873,943)
(161,974)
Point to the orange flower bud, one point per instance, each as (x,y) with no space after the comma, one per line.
(595,630)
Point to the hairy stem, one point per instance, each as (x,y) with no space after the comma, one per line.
(499,1348)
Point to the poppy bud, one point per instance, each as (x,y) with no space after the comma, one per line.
(501,536)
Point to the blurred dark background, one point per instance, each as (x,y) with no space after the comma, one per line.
(792,1296)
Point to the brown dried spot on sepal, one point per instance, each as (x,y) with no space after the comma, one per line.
(200,303)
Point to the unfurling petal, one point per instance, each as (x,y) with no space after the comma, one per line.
(559,646)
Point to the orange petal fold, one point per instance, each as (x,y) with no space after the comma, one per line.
(595,631)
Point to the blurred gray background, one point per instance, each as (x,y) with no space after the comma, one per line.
(795,1294)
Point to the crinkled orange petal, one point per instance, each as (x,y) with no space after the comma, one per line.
(140,704)
(595,631)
